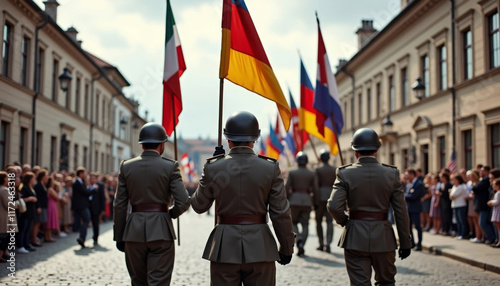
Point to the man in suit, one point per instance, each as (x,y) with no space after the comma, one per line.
(97,204)
(244,186)
(325,176)
(301,186)
(368,188)
(481,197)
(148,182)
(80,203)
(413,194)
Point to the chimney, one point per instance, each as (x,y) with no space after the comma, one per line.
(51,9)
(341,64)
(365,32)
(72,32)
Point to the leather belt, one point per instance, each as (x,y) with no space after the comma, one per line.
(370,216)
(250,219)
(302,191)
(149,208)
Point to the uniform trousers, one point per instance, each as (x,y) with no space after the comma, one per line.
(321,212)
(230,274)
(301,214)
(150,263)
(415,221)
(359,267)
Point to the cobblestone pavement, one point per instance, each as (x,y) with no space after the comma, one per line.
(65,263)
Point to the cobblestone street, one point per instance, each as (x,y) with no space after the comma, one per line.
(65,263)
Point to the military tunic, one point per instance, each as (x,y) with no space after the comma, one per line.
(148,236)
(368,186)
(326,177)
(244,184)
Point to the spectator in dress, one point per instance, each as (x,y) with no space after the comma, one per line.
(42,203)
(495,204)
(27,219)
(481,197)
(445,203)
(52,223)
(425,219)
(476,233)
(67,216)
(459,204)
(435,211)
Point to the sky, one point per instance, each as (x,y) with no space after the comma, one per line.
(130,34)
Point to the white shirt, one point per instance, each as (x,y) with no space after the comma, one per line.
(458,192)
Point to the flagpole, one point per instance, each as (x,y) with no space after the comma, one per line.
(175,158)
(337,139)
(314,148)
(221,96)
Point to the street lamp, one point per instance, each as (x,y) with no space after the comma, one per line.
(65,79)
(419,88)
(123,122)
(387,121)
(136,125)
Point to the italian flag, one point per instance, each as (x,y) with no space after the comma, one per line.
(174,66)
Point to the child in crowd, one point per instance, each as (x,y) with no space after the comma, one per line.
(495,203)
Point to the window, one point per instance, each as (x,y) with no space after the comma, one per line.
(38,148)
(23,145)
(104,121)
(96,111)
(77,96)
(96,159)
(343,113)
(369,104)
(360,108)
(443,70)
(495,145)
(494,40)
(75,157)
(405,158)
(25,60)
(86,102)
(6,50)
(379,99)
(53,154)
(39,68)
(467,44)
(68,97)
(425,158)
(442,152)
(102,162)
(426,75)
(4,143)
(392,95)
(55,79)
(404,87)
(352,111)
(85,157)
(467,143)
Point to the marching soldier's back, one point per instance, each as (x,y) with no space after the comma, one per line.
(300,183)
(326,178)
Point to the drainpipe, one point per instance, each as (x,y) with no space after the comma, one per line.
(453,75)
(91,137)
(36,88)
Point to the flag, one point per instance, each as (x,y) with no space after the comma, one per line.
(290,142)
(274,146)
(307,112)
(299,137)
(262,150)
(243,60)
(283,135)
(452,163)
(187,166)
(326,95)
(173,68)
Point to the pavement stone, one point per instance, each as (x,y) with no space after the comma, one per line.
(65,263)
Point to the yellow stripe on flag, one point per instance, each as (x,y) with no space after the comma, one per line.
(307,122)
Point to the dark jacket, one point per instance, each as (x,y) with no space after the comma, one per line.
(413,196)
(30,213)
(98,202)
(41,196)
(481,194)
(80,198)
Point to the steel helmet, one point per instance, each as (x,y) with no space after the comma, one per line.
(365,139)
(152,133)
(242,126)
(324,155)
(301,158)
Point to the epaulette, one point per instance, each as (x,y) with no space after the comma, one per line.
(267,158)
(390,166)
(345,166)
(215,158)
(173,161)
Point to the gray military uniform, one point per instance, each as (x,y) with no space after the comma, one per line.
(325,177)
(370,187)
(148,179)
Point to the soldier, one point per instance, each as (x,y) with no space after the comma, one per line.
(147,183)
(241,248)
(325,177)
(301,186)
(369,188)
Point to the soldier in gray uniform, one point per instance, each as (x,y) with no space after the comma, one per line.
(325,175)
(301,186)
(146,235)
(369,188)
(245,187)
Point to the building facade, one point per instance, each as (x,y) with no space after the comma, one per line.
(91,123)
(453,49)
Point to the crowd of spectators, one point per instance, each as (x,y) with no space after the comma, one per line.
(37,206)
(463,205)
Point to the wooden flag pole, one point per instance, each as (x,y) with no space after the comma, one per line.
(221,96)
(176,158)
(337,138)
(314,148)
